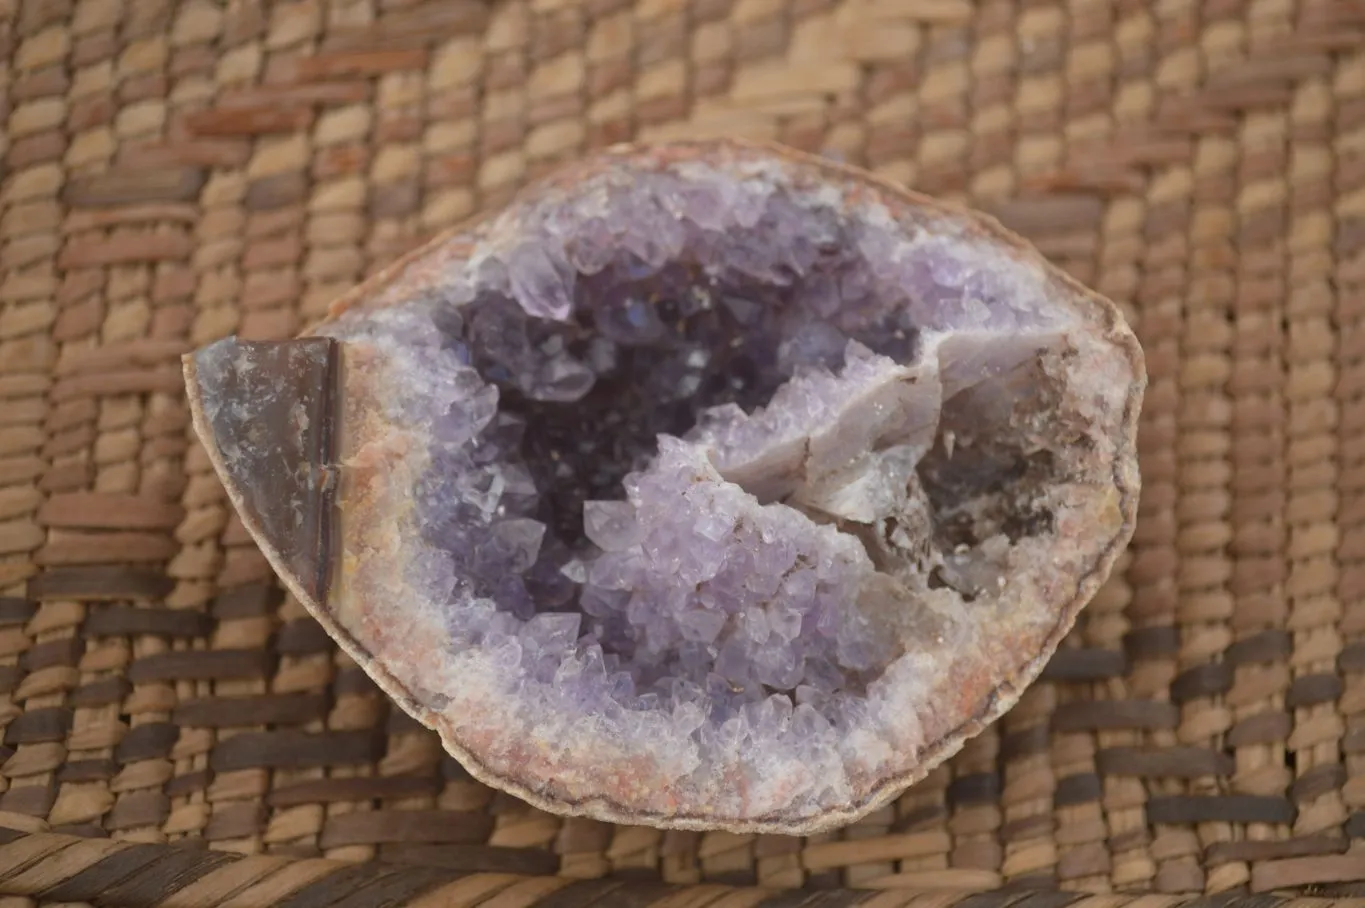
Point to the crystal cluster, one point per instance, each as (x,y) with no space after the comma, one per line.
(712,486)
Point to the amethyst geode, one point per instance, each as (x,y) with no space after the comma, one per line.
(706,485)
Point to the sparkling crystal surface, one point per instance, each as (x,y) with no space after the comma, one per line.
(711,487)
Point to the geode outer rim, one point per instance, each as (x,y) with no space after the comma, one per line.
(1102,314)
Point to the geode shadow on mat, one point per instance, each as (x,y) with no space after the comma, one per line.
(707,485)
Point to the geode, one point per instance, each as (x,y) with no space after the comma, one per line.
(706,485)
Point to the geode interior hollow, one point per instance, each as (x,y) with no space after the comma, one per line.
(706,485)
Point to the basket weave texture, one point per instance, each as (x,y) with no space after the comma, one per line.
(174,730)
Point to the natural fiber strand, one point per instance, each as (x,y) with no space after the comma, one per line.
(101,872)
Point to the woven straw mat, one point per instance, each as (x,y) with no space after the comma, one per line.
(178,732)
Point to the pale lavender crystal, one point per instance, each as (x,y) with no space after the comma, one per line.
(540,285)
(611,525)
(731,491)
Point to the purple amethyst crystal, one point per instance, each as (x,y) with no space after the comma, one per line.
(706,485)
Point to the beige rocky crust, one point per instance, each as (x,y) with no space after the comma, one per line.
(321,472)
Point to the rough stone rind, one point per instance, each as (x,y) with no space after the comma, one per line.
(403,648)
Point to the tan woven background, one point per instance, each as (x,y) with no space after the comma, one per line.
(173,172)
